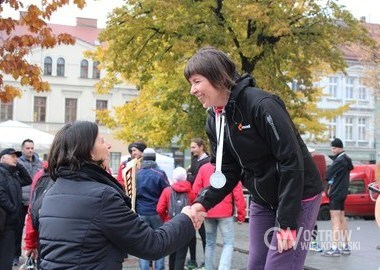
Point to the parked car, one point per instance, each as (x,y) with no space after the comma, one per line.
(358,202)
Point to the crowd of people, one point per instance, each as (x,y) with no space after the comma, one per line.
(91,220)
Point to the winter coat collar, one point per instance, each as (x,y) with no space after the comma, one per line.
(92,172)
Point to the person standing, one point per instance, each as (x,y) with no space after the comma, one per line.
(199,154)
(338,177)
(135,150)
(221,217)
(13,176)
(262,148)
(180,186)
(32,163)
(150,182)
(86,221)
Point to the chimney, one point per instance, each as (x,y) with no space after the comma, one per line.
(87,22)
(362,19)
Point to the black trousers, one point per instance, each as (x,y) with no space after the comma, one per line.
(177,259)
(7,248)
(193,243)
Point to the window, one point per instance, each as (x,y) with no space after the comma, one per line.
(349,126)
(356,186)
(332,128)
(100,106)
(350,87)
(333,87)
(362,93)
(61,67)
(39,109)
(84,69)
(362,129)
(95,70)
(6,110)
(48,65)
(115,161)
(70,110)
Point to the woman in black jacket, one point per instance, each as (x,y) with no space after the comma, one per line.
(263,148)
(86,221)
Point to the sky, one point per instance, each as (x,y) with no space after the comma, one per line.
(99,9)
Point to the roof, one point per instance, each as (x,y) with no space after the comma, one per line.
(355,52)
(88,34)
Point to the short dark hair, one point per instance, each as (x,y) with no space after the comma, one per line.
(26,141)
(214,65)
(72,146)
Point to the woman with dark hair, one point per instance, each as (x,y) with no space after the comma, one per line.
(85,219)
(264,149)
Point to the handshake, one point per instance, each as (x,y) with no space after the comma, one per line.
(196,212)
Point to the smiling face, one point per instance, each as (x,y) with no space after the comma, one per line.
(196,150)
(206,93)
(100,151)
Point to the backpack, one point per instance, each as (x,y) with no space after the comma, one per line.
(177,201)
(44,183)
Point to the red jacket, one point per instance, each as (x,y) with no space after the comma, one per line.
(119,177)
(163,202)
(226,207)
(31,235)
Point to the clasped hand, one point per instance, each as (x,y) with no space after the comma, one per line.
(197,214)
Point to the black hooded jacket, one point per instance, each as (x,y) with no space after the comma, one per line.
(263,148)
(338,176)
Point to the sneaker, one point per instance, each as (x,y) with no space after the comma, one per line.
(331,253)
(346,250)
(191,265)
(201,266)
(315,247)
(16,261)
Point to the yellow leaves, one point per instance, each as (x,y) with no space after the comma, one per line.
(278,42)
(65,39)
(9,93)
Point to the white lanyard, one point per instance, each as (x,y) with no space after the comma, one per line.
(219,123)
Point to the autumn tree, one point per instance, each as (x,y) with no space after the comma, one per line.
(277,41)
(15,48)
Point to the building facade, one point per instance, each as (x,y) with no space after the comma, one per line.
(359,126)
(72,78)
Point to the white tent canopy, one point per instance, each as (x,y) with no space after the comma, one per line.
(13,133)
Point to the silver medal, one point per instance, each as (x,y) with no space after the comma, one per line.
(217,180)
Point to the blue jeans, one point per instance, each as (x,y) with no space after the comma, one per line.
(155,222)
(226,226)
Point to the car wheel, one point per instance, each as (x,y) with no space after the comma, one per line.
(324,213)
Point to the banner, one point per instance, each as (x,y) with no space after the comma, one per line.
(129,177)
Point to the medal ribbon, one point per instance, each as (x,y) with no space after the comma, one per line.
(219,123)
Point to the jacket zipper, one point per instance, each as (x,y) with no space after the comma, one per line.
(270,122)
(241,164)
